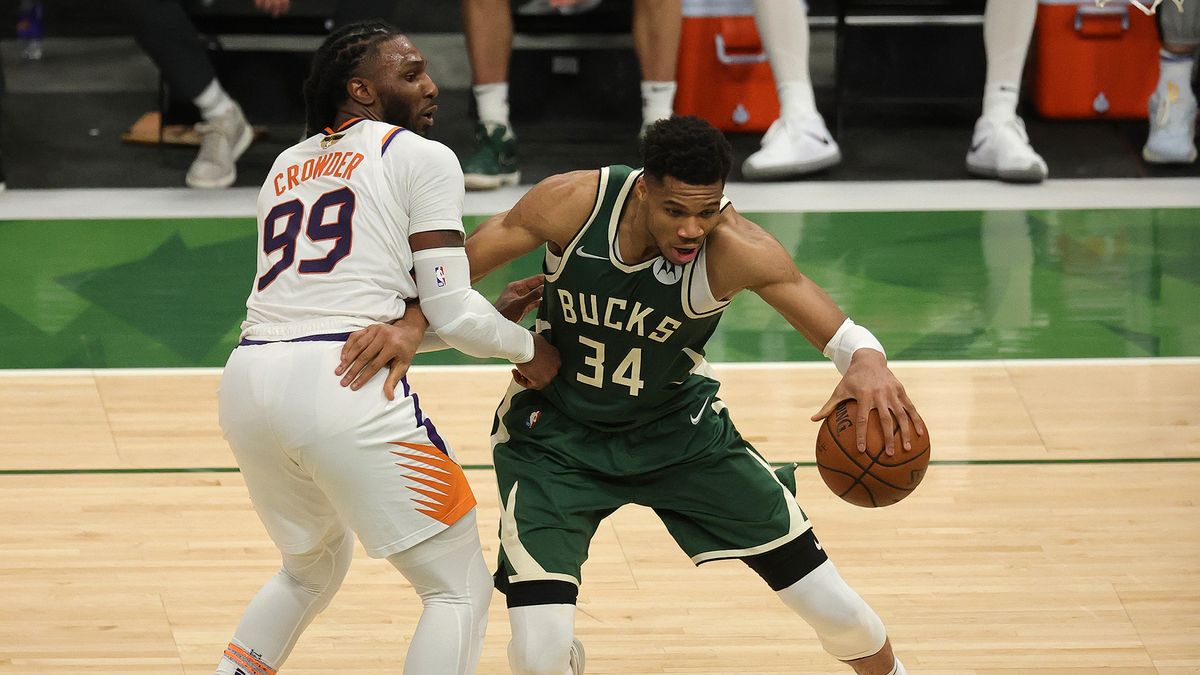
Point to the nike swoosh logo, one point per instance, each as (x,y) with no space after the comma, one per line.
(580,252)
(696,418)
(823,139)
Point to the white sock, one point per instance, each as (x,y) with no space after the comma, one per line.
(783,27)
(240,659)
(213,101)
(491,103)
(898,669)
(1007,28)
(1000,100)
(796,100)
(658,100)
(1175,68)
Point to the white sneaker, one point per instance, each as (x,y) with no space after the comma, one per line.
(225,139)
(1000,149)
(1172,126)
(577,657)
(792,147)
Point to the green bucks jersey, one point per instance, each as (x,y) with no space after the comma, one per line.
(631,336)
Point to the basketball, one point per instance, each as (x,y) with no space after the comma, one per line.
(870,478)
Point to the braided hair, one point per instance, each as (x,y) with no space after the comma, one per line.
(333,65)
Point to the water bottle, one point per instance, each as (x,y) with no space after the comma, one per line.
(29,28)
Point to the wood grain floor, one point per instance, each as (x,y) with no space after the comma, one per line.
(1033,546)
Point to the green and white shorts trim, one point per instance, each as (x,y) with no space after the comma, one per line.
(559,479)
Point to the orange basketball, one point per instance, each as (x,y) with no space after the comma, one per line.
(870,478)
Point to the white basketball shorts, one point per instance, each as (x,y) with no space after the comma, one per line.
(318,456)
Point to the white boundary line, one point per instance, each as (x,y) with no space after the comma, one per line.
(732,365)
(809,197)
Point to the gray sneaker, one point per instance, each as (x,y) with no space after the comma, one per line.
(1172,137)
(225,139)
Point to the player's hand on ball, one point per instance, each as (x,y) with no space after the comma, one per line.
(869,381)
(368,350)
(520,297)
(537,372)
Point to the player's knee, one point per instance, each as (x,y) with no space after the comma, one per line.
(470,592)
(545,654)
(854,633)
(320,571)
(541,639)
(847,627)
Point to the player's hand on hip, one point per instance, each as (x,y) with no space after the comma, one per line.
(869,381)
(367,351)
(520,297)
(537,372)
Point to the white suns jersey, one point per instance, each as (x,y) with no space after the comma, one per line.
(334,218)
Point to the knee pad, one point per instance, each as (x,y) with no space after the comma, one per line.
(847,627)
(541,639)
(321,570)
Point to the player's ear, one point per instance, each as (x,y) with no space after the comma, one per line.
(361,91)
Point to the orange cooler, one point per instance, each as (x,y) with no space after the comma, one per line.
(723,73)
(1094,62)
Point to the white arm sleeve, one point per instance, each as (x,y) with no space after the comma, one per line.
(431,343)
(849,338)
(461,316)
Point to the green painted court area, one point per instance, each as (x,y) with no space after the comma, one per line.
(937,285)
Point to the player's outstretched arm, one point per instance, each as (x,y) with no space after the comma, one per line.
(550,213)
(768,270)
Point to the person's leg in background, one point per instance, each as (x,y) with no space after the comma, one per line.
(798,142)
(1173,103)
(165,32)
(1000,147)
(488,27)
(657,25)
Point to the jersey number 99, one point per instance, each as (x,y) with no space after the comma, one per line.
(292,212)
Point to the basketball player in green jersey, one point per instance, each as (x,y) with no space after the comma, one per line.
(639,266)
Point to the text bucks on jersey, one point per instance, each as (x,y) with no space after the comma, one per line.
(631,336)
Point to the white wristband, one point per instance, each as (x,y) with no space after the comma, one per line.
(849,338)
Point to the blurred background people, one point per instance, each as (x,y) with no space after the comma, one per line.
(1172,138)
(488,27)
(165,31)
(799,142)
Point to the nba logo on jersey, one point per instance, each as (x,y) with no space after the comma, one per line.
(533,418)
(439,275)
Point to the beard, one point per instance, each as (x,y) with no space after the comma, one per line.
(403,115)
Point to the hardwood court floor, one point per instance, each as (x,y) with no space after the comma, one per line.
(1057,532)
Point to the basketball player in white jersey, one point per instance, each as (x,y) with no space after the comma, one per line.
(354,221)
